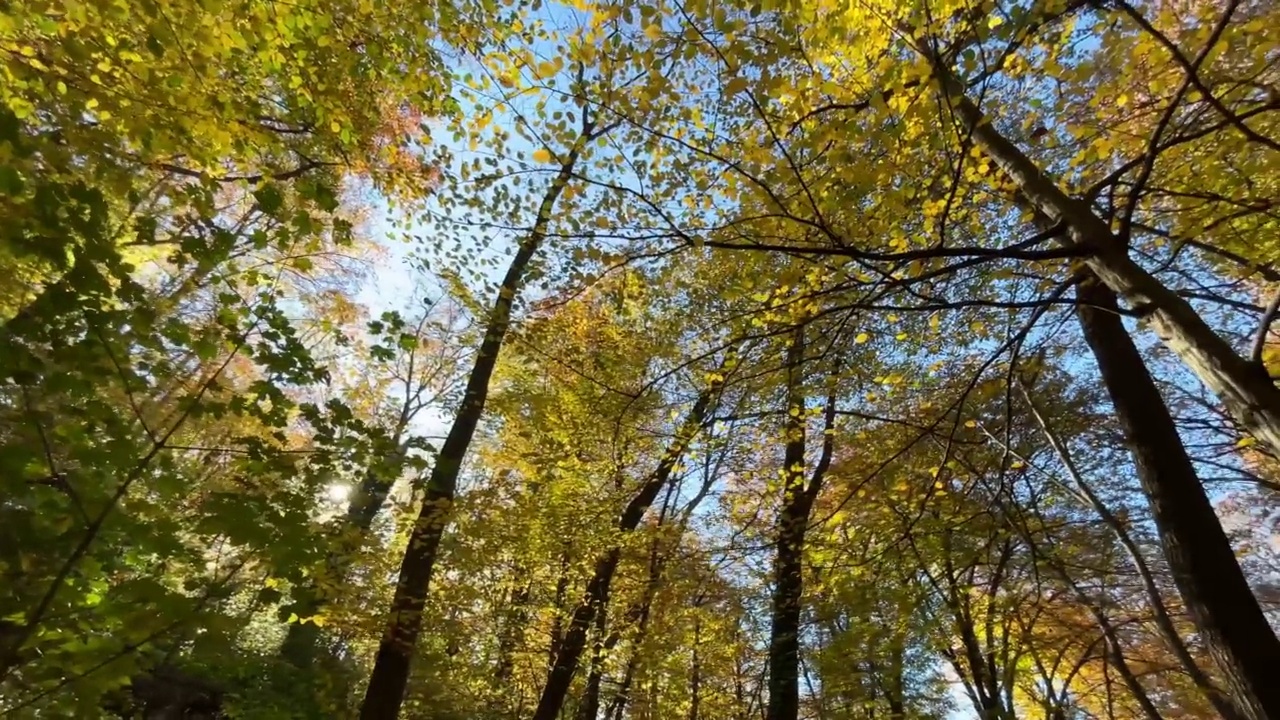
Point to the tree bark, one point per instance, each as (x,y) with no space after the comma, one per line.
(1225,706)
(390,674)
(788,568)
(597,595)
(639,616)
(590,705)
(894,689)
(1245,388)
(558,603)
(1204,567)
(793,523)
(695,673)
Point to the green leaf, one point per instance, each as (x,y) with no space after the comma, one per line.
(269,198)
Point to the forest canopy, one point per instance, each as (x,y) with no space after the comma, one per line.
(657,360)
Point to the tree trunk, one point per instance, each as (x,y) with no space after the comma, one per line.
(597,594)
(894,689)
(558,603)
(618,705)
(590,705)
(639,615)
(788,568)
(1111,638)
(1225,706)
(1116,650)
(986,692)
(793,522)
(1244,387)
(390,674)
(695,676)
(1205,570)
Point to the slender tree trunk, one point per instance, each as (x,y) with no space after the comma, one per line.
(1111,639)
(1225,706)
(695,673)
(605,643)
(570,650)
(618,705)
(740,702)
(986,694)
(623,693)
(1116,651)
(590,705)
(895,688)
(1204,567)
(390,674)
(558,603)
(788,568)
(1244,387)
(1115,657)
(793,522)
(597,595)
(653,706)
(641,618)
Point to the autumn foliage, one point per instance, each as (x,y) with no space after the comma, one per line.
(479,360)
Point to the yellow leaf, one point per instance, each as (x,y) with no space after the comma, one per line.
(1246,442)
(995,21)
(542,156)
(862,337)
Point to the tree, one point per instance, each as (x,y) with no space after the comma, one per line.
(786,360)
